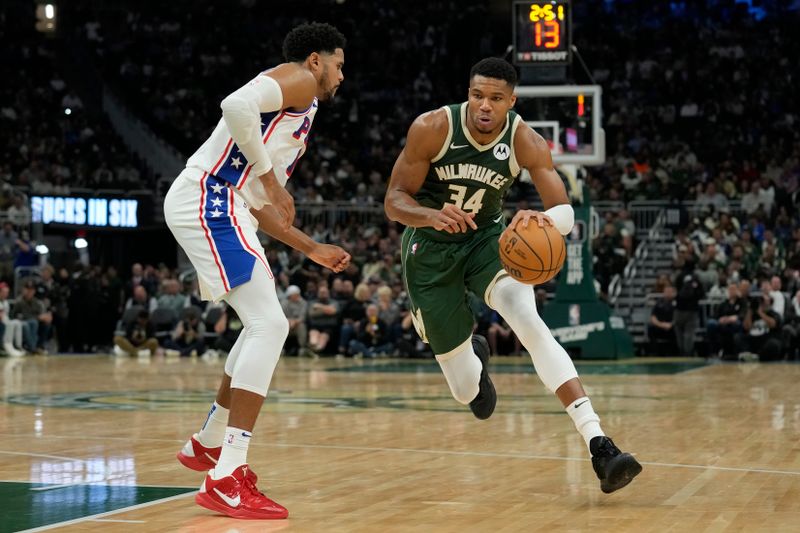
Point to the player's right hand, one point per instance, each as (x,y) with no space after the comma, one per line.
(330,256)
(453,219)
(280,199)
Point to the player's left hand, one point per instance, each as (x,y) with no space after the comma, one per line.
(330,256)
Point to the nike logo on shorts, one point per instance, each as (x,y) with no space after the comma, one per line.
(498,219)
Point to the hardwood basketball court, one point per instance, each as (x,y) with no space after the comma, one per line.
(89,444)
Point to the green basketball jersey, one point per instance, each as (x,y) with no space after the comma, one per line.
(473,176)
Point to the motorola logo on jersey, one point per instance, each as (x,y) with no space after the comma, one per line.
(99,212)
(502,151)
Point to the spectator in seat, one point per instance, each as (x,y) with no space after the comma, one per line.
(353,312)
(373,338)
(19,214)
(8,245)
(323,319)
(763,326)
(140,335)
(660,330)
(26,255)
(137,278)
(725,331)
(388,311)
(228,328)
(687,312)
(773,288)
(188,337)
(141,298)
(171,297)
(500,330)
(36,319)
(296,309)
(790,332)
(11,328)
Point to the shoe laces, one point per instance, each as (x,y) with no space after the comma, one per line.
(250,486)
(607,448)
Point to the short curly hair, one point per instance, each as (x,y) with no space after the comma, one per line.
(311,37)
(495,67)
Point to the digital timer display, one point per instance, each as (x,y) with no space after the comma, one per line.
(542,32)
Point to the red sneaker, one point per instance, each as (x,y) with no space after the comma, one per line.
(202,459)
(237,496)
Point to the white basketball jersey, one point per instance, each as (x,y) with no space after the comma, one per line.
(285,135)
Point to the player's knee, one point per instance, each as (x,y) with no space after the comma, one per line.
(274,327)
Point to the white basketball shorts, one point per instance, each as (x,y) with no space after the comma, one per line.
(216,230)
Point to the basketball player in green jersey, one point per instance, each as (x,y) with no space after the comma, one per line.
(447,188)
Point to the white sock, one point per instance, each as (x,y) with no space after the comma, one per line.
(586,420)
(213,430)
(234,452)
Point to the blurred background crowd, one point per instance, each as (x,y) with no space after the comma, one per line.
(708,124)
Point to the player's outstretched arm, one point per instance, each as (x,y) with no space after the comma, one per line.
(327,255)
(533,154)
(423,142)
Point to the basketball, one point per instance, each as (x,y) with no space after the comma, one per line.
(533,254)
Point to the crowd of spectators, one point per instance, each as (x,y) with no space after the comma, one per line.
(740,280)
(709,119)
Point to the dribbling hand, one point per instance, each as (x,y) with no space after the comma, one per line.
(453,219)
(525,217)
(330,256)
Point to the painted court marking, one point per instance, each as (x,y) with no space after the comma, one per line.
(95,517)
(427,451)
(118,521)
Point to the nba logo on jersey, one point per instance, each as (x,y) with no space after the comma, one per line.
(414,248)
(502,151)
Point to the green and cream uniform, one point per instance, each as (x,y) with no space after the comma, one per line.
(440,267)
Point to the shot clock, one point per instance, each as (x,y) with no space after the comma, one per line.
(542,32)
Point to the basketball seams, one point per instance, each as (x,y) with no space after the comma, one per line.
(549,247)
(528,246)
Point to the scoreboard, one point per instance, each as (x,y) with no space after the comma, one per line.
(542,32)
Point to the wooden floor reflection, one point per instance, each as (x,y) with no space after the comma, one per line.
(381,446)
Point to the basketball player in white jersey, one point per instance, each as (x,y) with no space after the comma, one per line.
(232,186)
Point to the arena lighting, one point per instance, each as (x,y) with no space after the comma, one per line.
(46,16)
(42,249)
(68,111)
(81,243)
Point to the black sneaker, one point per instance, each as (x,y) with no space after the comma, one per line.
(614,468)
(483,404)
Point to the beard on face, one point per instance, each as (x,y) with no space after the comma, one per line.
(324,84)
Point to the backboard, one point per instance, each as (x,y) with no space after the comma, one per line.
(569,117)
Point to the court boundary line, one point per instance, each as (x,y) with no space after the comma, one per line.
(448,452)
(107,513)
(45,455)
(28,482)
(57,486)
